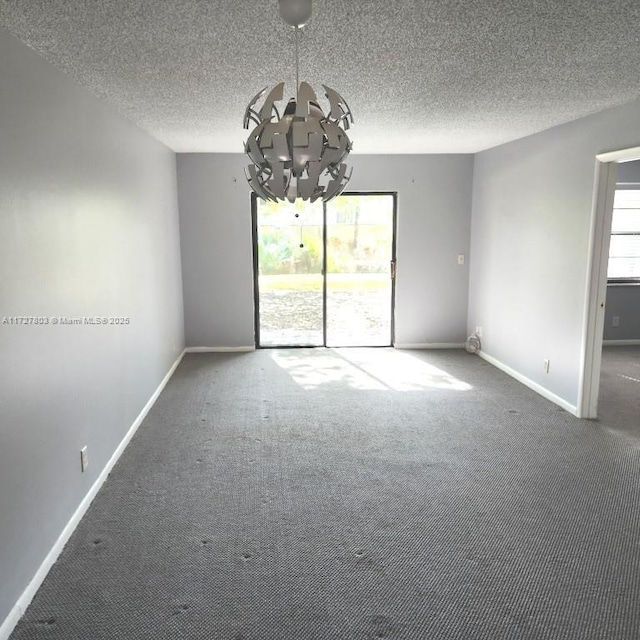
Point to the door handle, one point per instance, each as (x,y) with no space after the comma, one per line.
(393,269)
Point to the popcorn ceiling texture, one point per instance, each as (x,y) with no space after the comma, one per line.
(439,76)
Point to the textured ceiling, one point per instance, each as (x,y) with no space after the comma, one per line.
(438,76)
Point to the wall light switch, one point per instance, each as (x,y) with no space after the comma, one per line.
(615,322)
(461,258)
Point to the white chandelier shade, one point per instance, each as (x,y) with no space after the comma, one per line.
(301,153)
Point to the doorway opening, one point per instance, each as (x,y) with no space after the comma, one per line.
(324,273)
(600,271)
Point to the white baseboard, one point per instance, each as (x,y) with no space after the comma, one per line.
(218,350)
(543,391)
(430,345)
(10,622)
(620,343)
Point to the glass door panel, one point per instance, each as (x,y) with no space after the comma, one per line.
(290,257)
(359,287)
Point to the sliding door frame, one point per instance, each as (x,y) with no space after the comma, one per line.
(256,274)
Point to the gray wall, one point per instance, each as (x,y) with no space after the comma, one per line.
(434,207)
(532,202)
(628,175)
(215,235)
(88,227)
(623,301)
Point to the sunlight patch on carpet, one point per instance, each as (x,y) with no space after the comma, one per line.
(365,370)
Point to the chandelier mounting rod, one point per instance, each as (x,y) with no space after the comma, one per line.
(297,59)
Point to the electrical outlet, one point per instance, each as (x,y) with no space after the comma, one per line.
(615,322)
(84,459)
(479,332)
(546,364)
(461,258)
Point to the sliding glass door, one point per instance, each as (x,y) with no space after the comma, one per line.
(324,274)
(359,284)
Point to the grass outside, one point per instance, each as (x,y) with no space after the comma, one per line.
(313,282)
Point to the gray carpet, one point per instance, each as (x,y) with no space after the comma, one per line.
(355,494)
(619,399)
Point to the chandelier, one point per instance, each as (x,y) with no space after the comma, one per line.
(298,152)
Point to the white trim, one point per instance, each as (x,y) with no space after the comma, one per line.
(594,309)
(217,350)
(543,391)
(621,343)
(624,155)
(27,595)
(430,345)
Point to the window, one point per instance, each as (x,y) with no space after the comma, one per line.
(624,250)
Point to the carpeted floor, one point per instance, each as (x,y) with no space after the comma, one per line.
(357,494)
(619,399)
